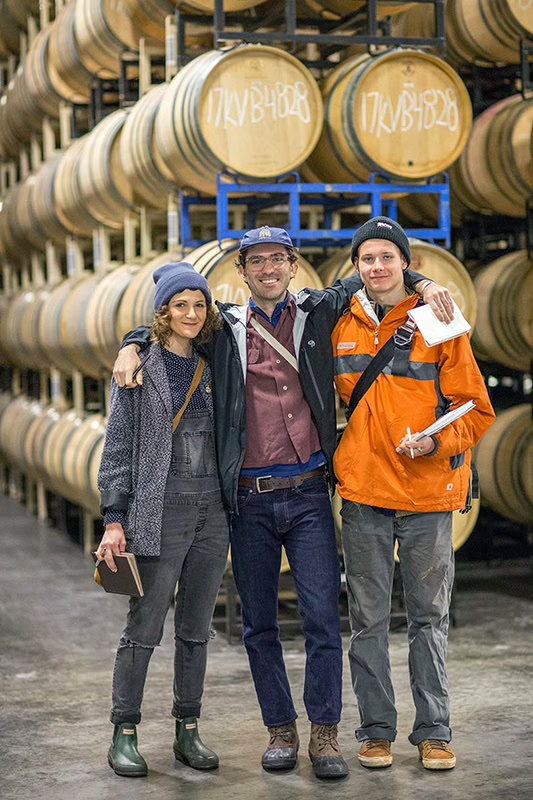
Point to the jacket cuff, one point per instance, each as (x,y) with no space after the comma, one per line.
(436,443)
(113,500)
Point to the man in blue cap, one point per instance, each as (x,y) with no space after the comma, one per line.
(276,431)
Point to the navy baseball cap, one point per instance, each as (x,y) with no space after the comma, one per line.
(265,235)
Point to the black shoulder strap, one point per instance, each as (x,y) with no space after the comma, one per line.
(376,366)
(402,339)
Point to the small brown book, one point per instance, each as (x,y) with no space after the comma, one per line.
(126,580)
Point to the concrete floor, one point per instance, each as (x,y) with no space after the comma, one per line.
(58,634)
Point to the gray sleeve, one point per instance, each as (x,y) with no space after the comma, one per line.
(115,473)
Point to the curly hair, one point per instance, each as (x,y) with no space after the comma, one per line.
(161,326)
(240,261)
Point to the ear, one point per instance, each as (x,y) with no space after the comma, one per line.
(242,272)
(404,264)
(355,263)
(293,268)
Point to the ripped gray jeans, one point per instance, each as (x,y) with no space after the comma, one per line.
(194,547)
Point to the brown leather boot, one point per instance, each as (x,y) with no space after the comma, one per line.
(325,753)
(282,750)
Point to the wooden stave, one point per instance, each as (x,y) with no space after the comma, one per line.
(75,461)
(425,258)
(67,200)
(99,48)
(501,333)
(498,456)
(340,155)
(39,90)
(49,335)
(14,422)
(53,449)
(9,246)
(73,338)
(483,184)
(181,149)
(102,311)
(26,230)
(140,163)
(19,329)
(104,188)
(335,9)
(9,32)
(69,76)
(42,203)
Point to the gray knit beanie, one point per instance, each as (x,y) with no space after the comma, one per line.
(381,228)
(172,278)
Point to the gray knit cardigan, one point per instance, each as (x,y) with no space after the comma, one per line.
(137,450)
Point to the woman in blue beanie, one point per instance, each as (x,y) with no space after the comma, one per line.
(160,497)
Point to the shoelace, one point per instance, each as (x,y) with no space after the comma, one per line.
(438,744)
(327,735)
(377,743)
(284,733)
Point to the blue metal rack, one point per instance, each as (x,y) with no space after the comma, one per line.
(330,196)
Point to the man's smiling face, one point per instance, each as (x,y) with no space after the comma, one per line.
(268,272)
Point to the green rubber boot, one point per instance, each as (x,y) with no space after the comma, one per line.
(189,748)
(123,756)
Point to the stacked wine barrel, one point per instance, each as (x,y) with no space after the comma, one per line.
(253,112)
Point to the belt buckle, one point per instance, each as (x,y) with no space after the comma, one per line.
(258,487)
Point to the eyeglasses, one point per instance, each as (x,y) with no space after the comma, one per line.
(276,259)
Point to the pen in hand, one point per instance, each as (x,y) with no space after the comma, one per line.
(411,452)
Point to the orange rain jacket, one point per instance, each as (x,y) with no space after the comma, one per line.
(411,392)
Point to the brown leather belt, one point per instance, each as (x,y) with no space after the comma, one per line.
(267,483)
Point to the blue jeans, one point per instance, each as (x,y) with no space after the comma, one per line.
(427,570)
(301,520)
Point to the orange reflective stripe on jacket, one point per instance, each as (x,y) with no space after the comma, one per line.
(417,386)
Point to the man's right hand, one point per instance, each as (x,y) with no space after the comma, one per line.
(125,365)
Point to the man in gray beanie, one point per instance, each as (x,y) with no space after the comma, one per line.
(276,433)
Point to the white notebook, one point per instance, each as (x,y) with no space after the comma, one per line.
(433,330)
(445,420)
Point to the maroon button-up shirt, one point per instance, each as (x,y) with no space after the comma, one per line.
(279,425)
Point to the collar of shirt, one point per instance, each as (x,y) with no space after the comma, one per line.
(381,310)
(276,316)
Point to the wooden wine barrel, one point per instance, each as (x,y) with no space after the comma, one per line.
(404,113)
(25,229)
(76,461)
(484,32)
(50,322)
(40,96)
(494,173)
(102,310)
(207,6)
(42,203)
(216,263)
(68,75)
(54,447)
(14,424)
(422,210)
(150,186)
(10,248)
(19,328)
(68,202)
(254,110)
(104,188)
(333,9)
(462,524)
(35,440)
(430,260)
(503,458)
(504,327)
(73,333)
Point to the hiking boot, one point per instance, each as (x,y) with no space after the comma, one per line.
(189,748)
(123,756)
(375,753)
(282,750)
(325,753)
(436,754)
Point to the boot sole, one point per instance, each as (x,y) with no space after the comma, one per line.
(180,757)
(124,773)
(375,763)
(278,767)
(438,764)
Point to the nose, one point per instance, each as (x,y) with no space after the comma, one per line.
(192,313)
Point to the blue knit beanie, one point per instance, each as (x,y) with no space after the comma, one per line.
(172,278)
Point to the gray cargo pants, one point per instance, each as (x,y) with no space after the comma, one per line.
(427,570)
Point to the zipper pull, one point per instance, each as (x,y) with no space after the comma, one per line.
(376,340)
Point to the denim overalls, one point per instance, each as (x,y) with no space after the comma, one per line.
(194,546)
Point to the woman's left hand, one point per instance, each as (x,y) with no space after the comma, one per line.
(113,543)
(415,448)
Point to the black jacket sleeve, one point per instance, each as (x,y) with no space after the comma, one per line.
(139,335)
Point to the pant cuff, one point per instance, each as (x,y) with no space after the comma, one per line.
(180,712)
(288,721)
(375,732)
(436,732)
(125,718)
